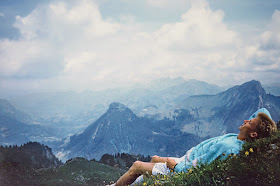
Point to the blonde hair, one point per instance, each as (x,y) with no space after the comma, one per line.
(265,127)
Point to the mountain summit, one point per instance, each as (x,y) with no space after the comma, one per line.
(116,107)
(111,133)
(253,87)
(249,89)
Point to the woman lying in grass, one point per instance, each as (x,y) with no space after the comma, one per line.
(259,125)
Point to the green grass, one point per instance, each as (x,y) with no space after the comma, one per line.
(257,164)
(79,171)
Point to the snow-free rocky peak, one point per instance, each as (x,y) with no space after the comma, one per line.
(117,107)
(249,88)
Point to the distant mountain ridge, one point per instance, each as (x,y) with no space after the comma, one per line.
(74,111)
(273,89)
(7,110)
(16,127)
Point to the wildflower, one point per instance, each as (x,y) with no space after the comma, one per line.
(190,170)
(246,153)
(144,183)
(251,150)
(234,155)
(223,154)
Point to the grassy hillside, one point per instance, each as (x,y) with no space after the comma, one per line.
(257,164)
(79,171)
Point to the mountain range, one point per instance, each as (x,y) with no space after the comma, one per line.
(17,127)
(194,119)
(56,115)
(165,118)
(74,111)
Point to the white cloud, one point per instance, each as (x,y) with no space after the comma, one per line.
(2,14)
(168,3)
(266,54)
(27,59)
(69,44)
(200,28)
(271,37)
(259,58)
(199,46)
(62,20)
(50,35)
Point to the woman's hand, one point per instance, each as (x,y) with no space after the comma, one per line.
(171,163)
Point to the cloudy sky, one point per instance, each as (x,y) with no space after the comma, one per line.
(97,44)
